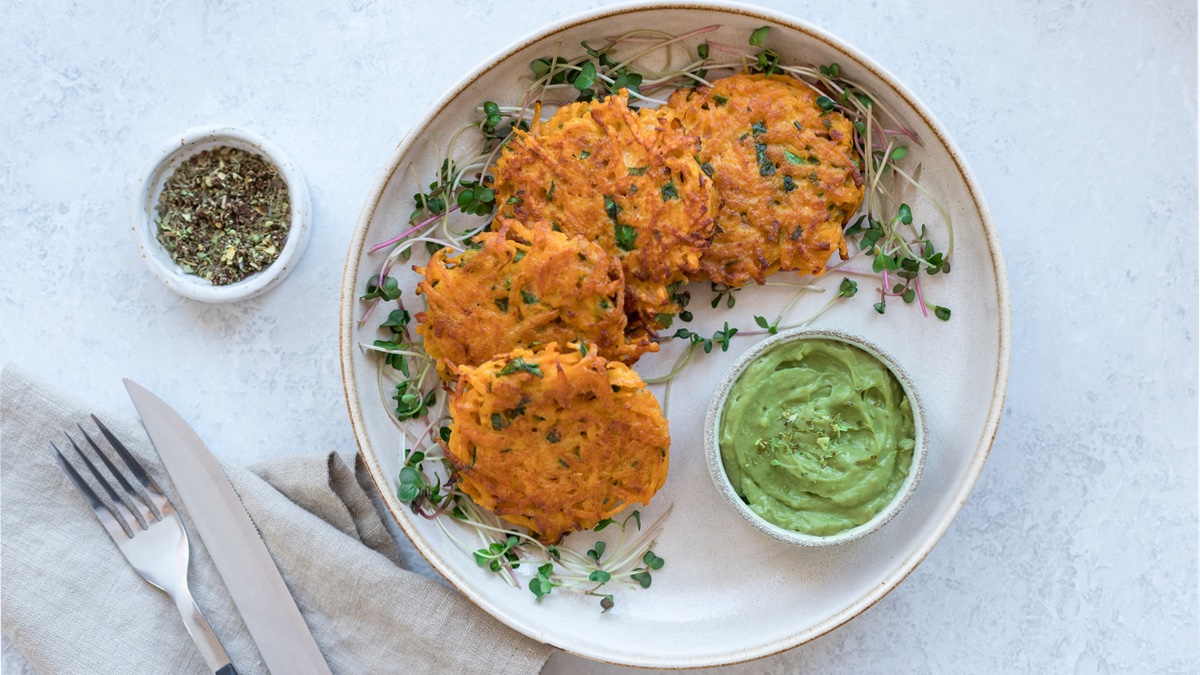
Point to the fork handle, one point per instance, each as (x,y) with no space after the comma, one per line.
(202,634)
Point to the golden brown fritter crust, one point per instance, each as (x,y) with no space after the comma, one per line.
(517,292)
(784,168)
(626,180)
(556,441)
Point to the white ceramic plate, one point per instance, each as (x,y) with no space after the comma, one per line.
(727,593)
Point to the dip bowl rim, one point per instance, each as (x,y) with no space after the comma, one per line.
(716,467)
(165,161)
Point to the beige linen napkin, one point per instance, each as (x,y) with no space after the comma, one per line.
(72,604)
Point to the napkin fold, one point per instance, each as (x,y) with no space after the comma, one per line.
(72,604)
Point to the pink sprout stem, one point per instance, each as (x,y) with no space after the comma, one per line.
(921,298)
(728,49)
(904,132)
(411,230)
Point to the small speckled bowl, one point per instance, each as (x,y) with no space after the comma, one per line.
(712,435)
(190,143)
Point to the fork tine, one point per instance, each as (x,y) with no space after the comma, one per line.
(123,512)
(104,514)
(135,499)
(156,494)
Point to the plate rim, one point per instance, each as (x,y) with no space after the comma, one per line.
(1000,383)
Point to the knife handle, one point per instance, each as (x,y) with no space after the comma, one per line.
(227,669)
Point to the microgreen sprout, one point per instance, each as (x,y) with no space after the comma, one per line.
(388,290)
(724,292)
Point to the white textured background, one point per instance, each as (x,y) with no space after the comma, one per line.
(1078,549)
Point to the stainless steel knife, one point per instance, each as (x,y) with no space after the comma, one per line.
(253,580)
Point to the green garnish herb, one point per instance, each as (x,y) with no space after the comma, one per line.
(765,166)
(612,208)
(626,237)
(224,215)
(669,192)
(397,321)
(587,76)
(724,291)
(389,290)
(518,365)
(410,404)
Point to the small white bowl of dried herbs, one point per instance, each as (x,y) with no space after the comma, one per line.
(221,214)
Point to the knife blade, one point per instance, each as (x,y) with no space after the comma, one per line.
(233,541)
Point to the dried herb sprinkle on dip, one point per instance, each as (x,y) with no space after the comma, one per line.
(817,436)
(224,215)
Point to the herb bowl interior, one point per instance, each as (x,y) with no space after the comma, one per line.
(160,167)
(716,467)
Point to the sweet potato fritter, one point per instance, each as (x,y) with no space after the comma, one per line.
(784,168)
(507,293)
(626,180)
(556,440)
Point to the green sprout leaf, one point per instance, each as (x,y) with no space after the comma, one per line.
(587,76)
(410,484)
(596,551)
(397,321)
(390,290)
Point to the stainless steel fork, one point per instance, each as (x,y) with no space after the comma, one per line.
(148,531)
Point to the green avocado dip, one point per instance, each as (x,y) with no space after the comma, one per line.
(817,436)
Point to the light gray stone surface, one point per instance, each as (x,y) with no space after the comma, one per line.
(1077,550)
